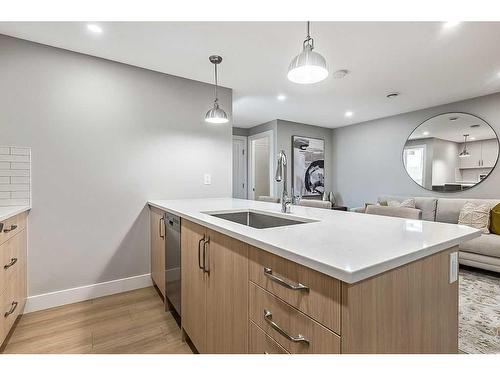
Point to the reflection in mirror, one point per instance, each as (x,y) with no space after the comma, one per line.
(451,152)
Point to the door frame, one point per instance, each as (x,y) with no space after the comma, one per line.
(266,134)
(245,163)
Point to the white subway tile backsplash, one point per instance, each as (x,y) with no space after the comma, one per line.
(15,170)
(20,151)
(14,202)
(20,165)
(20,194)
(16,180)
(15,158)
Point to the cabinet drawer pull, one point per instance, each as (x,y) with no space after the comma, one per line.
(12,309)
(268,272)
(206,268)
(11,263)
(12,227)
(268,316)
(199,252)
(160,226)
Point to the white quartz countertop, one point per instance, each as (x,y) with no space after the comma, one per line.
(8,212)
(346,245)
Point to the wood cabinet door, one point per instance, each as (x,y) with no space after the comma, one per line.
(193,288)
(227,295)
(158,249)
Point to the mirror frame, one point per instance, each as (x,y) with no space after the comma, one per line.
(457,191)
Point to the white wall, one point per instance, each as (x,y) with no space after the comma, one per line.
(105,138)
(367,157)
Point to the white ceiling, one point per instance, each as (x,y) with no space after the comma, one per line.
(428,64)
(453,130)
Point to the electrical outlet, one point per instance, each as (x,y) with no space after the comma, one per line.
(453,267)
(208,179)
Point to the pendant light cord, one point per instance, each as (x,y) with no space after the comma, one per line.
(216,98)
(308,40)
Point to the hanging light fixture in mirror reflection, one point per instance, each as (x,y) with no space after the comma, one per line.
(216,115)
(308,66)
(464,153)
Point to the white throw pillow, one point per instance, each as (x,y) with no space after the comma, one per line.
(409,203)
(475,216)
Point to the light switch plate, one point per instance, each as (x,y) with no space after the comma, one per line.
(453,267)
(208,179)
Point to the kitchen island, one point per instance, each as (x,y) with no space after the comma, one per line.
(324,282)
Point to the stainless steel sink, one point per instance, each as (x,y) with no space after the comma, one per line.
(259,220)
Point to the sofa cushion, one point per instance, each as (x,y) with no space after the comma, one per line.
(475,216)
(486,244)
(425,204)
(403,212)
(480,261)
(408,203)
(448,209)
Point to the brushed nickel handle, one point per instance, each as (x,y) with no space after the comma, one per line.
(12,227)
(1,227)
(12,309)
(159,227)
(199,252)
(11,263)
(268,316)
(206,268)
(268,272)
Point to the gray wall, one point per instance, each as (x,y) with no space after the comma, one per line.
(286,129)
(367,158)
(240,131)
(105,138)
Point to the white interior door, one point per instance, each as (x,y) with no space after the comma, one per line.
(260,165)
(239,167)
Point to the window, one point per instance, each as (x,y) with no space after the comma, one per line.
(414,160)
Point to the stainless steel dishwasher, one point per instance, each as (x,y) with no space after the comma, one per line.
(173,261)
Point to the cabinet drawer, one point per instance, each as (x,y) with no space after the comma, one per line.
(12,226)
(293,330)
(9,307)
(260,343)
(322,299)
(12,258)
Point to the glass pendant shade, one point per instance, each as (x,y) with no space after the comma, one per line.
(216,115)
(464,153)
(307,67)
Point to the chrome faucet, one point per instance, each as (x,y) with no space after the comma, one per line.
(281,175)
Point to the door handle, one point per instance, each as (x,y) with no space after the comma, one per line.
(199,252)
(205,267)
(10,264)
(12,309)
(159,227)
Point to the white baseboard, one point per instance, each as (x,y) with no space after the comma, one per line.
(83,293)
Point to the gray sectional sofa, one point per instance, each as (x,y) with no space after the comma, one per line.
(482,252)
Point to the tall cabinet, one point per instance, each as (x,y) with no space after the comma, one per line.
(215,299)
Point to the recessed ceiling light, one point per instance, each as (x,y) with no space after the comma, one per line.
(349,114)
(392,95)
(94,28)
(450,24)
(426,133)
(281,97)
(339,74)
(472,138)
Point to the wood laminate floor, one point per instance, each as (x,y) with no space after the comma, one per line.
(131,322)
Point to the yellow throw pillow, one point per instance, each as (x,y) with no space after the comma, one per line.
(495,219)
(475,216)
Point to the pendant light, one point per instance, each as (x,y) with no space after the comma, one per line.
(308,66)
(464,153)
(216,115)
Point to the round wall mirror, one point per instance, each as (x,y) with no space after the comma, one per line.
(451,152)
